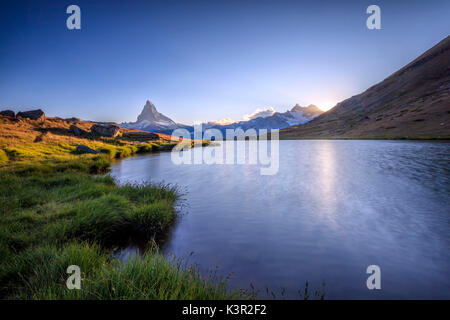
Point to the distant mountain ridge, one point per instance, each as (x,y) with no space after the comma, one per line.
(277,120)
(412,103)
(151,120)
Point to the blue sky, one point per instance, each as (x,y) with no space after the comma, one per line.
(204,60)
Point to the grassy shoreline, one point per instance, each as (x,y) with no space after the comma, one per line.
(55,212)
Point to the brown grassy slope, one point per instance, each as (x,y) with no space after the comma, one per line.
(412,103)
(24,140)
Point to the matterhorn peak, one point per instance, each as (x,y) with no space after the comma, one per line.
(150,114)
(149,107)
(149,104)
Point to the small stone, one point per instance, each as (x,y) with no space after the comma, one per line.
(78,131)
(140,135)
(106,129)
(85,149)
(73,119)
(8,113)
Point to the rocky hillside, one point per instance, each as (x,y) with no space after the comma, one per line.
(412,103)
(31,135)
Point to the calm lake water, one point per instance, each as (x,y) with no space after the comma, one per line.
(333,209)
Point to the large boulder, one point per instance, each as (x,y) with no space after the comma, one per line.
(8,113)
(33,115)
(140,136)
(81,148)
(106,129)
(73,119)
(78,131)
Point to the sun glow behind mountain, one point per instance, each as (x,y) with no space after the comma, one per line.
(326,105)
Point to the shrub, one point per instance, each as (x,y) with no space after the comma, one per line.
(152,217)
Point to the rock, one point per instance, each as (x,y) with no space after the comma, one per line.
(106,129)
(140,135)
(78,131)
(43,136)
(33,115)
(8,113)
(85,149)
(73,119)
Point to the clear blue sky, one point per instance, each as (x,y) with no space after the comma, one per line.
(204,60)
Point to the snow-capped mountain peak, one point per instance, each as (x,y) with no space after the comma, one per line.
(151,120)
(149,113)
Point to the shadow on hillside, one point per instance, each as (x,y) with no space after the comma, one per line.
(68,133)
(57,131)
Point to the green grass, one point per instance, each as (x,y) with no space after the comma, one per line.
(56,213)
(152,276)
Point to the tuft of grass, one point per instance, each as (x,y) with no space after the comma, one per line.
(151,276)
(156,277)
(42,270)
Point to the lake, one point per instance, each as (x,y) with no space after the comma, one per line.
(333,209)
